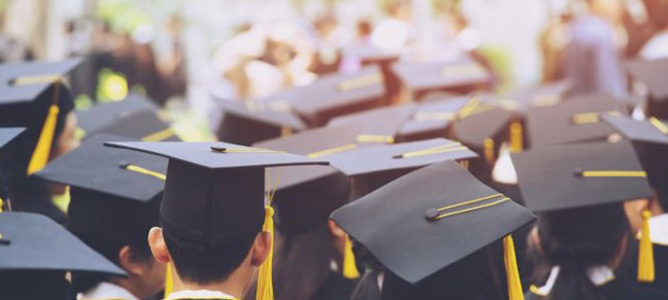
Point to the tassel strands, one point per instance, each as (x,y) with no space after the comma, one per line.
(646,251)
(350,270)
(515,291)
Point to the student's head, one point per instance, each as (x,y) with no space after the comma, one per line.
(576,240)
(207,265)
(122,241)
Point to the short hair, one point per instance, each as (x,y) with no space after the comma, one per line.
(207,264)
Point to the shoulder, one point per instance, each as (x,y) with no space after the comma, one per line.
(630,289)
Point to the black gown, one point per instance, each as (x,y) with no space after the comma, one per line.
(620,289)
(336,288)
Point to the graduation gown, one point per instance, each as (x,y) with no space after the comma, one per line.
(201,294)
(336,288)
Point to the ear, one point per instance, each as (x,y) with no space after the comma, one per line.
(260,249)
(129,262)
(534,239)
(156,241)
(335,230)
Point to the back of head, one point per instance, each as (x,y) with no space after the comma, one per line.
(655,163)
(577,240)
(214,263)
(465,279)
(95,218)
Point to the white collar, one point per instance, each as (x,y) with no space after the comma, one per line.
(107,290)
(659,229)
(504,169)
(202,294)
(598,275)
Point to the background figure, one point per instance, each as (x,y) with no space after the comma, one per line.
(173,69)
(591,57)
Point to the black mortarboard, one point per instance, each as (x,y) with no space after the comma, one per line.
(432,119)
(579,175)
(575,120)
(32,242)
(142,125)
(306,195)
(376,166)
(339,94)
(253,121)
(214,191)
(650,139)
(8,134)
(32,95)
(378,124)
(483,126)
(652,74)
(462,76)
(652,131)
(104,114)
(429,219)
(108,185)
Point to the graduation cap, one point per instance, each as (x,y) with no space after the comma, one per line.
(9,134)
(108,185)
(32,242)
(215,192)
(580,176)
(254,121)
(652,74)
(483,126)
(33,95)
(576,120)
(307,195)
(416,235)
(141,125)
(650,139)
(378,124)
(374,167)
(104,114)
(462,76)
(432,119)
(339,94)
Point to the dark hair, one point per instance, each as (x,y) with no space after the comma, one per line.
(468,278)
(207,264)
(575,240)
(655,163)
(302,264)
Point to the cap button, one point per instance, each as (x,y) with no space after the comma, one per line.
(578,172)
(431,214)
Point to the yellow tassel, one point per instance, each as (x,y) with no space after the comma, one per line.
(169,281)
(2,205)
(488,145)
(646,252)
(515,291)
(41,155)
(349,265)
(265,288)
(516,142)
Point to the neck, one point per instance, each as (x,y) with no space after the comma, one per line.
(235,285)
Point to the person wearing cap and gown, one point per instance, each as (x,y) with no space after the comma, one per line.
(436,244)
(36,253)
(580,239)
(114,200)
(32,95)
(650,140)
(215,228)
(312,258)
